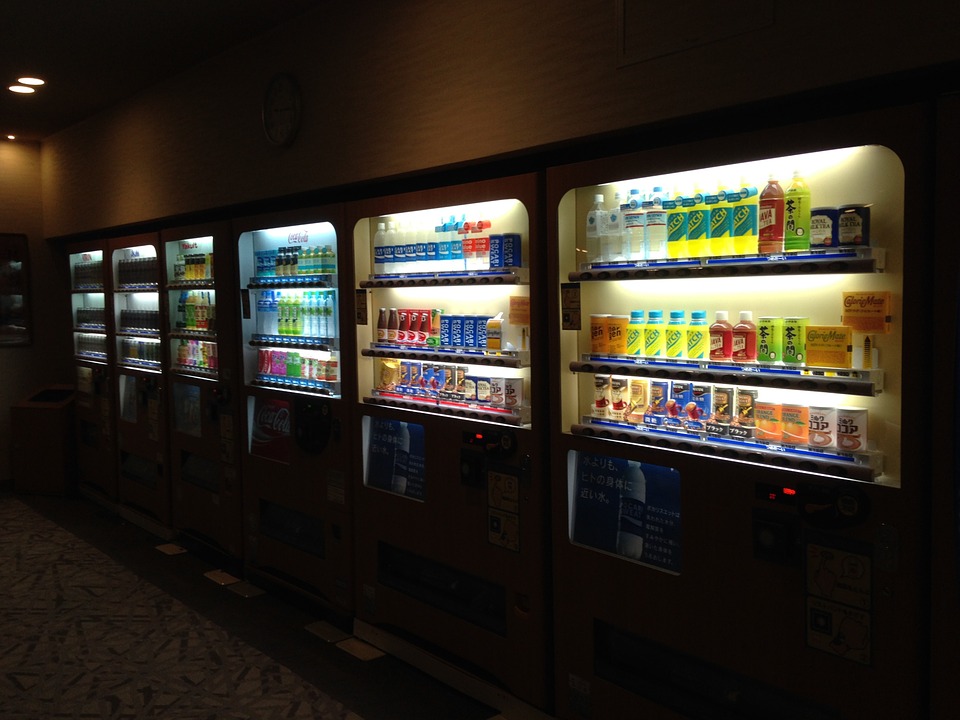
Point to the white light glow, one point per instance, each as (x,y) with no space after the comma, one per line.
(22,89)
(11,137)
(30,81)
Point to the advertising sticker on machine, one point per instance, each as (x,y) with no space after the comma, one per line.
(394,457)
(627,508)
(839,599)
(503,506)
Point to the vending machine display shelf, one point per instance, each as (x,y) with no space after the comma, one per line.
(206,284)
(844,381)
(470,356)
(833,260)
(287,282)
(316,387)
(138,332)
(865,467)
(184,334)
(294,342)
(91,328)
(95,357)
(97,288)
(209,373)
(137,364)
(471,411)
(500,276)
(139,288)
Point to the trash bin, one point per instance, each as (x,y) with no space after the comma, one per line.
(43,442)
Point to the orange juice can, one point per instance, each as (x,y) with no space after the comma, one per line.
(795,421)
(768,417)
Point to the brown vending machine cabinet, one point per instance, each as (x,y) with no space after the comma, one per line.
(451,548)
(738,511)
(143,481)
(92,316)
(199,275)
(296,448)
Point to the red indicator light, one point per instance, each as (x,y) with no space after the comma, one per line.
(479,436)
(772,496)
(789,491)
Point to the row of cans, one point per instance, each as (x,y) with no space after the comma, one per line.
(845,226)
(274,365)
(727,411)
(454,383)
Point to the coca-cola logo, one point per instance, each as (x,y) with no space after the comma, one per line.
(273,418)
(297,238)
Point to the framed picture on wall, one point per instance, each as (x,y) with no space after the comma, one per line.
(14,293)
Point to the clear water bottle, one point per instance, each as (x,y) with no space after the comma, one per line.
(379,240)
(595,223)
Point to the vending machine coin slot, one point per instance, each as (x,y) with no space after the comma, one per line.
(832,508)
(776,537)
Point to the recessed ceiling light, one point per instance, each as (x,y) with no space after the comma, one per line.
(21,89)
(30,81)
(11,137)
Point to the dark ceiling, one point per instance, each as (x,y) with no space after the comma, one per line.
(95,53)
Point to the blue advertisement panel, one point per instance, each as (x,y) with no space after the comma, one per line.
(186,409)
(627,508)
(394,458)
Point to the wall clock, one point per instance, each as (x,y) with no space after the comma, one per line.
(281,109)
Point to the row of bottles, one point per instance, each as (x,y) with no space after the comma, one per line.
(301,368)
(93,317)
(140,272)
(197,311)
(193,267)
(88,275)
(451,246)
(197,354)
(92,345)
(296,261)
(139,321)
(140,352)
(306,314)
(730,221)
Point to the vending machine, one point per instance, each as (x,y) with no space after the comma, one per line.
(451,509)
(296,448)
(741,469)
(143,480)
(91,312)
(203,432)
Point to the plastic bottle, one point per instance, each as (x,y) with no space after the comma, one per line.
(329,323)
(676,227)
(390,250)
(401,458)
(796,215)
(273,324)
(770,218)
(745,221)
(697,335)
(745,338)
(595,217)
(655,231)
(382,325)
(721,223)
(611,239)
(721,337)
(633,220)
(635,331)
(443,247)
(456,246)
(676,334)
(698,225)
(654,337)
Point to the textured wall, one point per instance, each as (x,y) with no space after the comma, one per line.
(391,88)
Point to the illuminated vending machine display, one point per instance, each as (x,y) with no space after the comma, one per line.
(296,461)
(143,482)
(451,511)
(206,503)
(732,344)
(92,327)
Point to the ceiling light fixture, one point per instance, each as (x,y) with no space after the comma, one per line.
(22,89)
(11,137)
(30,81)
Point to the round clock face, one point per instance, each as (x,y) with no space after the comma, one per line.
(281,110)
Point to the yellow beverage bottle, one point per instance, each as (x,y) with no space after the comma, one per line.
(698,224)
(676,334)
(676,227)
(654,337)
(721,223)
(745,226)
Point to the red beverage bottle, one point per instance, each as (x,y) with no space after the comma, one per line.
(745,338)
(393,325)
(403,331)
(423,329)
(382,320)
(771,218)
(721,338)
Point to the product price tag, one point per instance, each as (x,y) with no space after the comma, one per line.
(519,310)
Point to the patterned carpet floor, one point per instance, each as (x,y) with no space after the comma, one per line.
(83,636)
